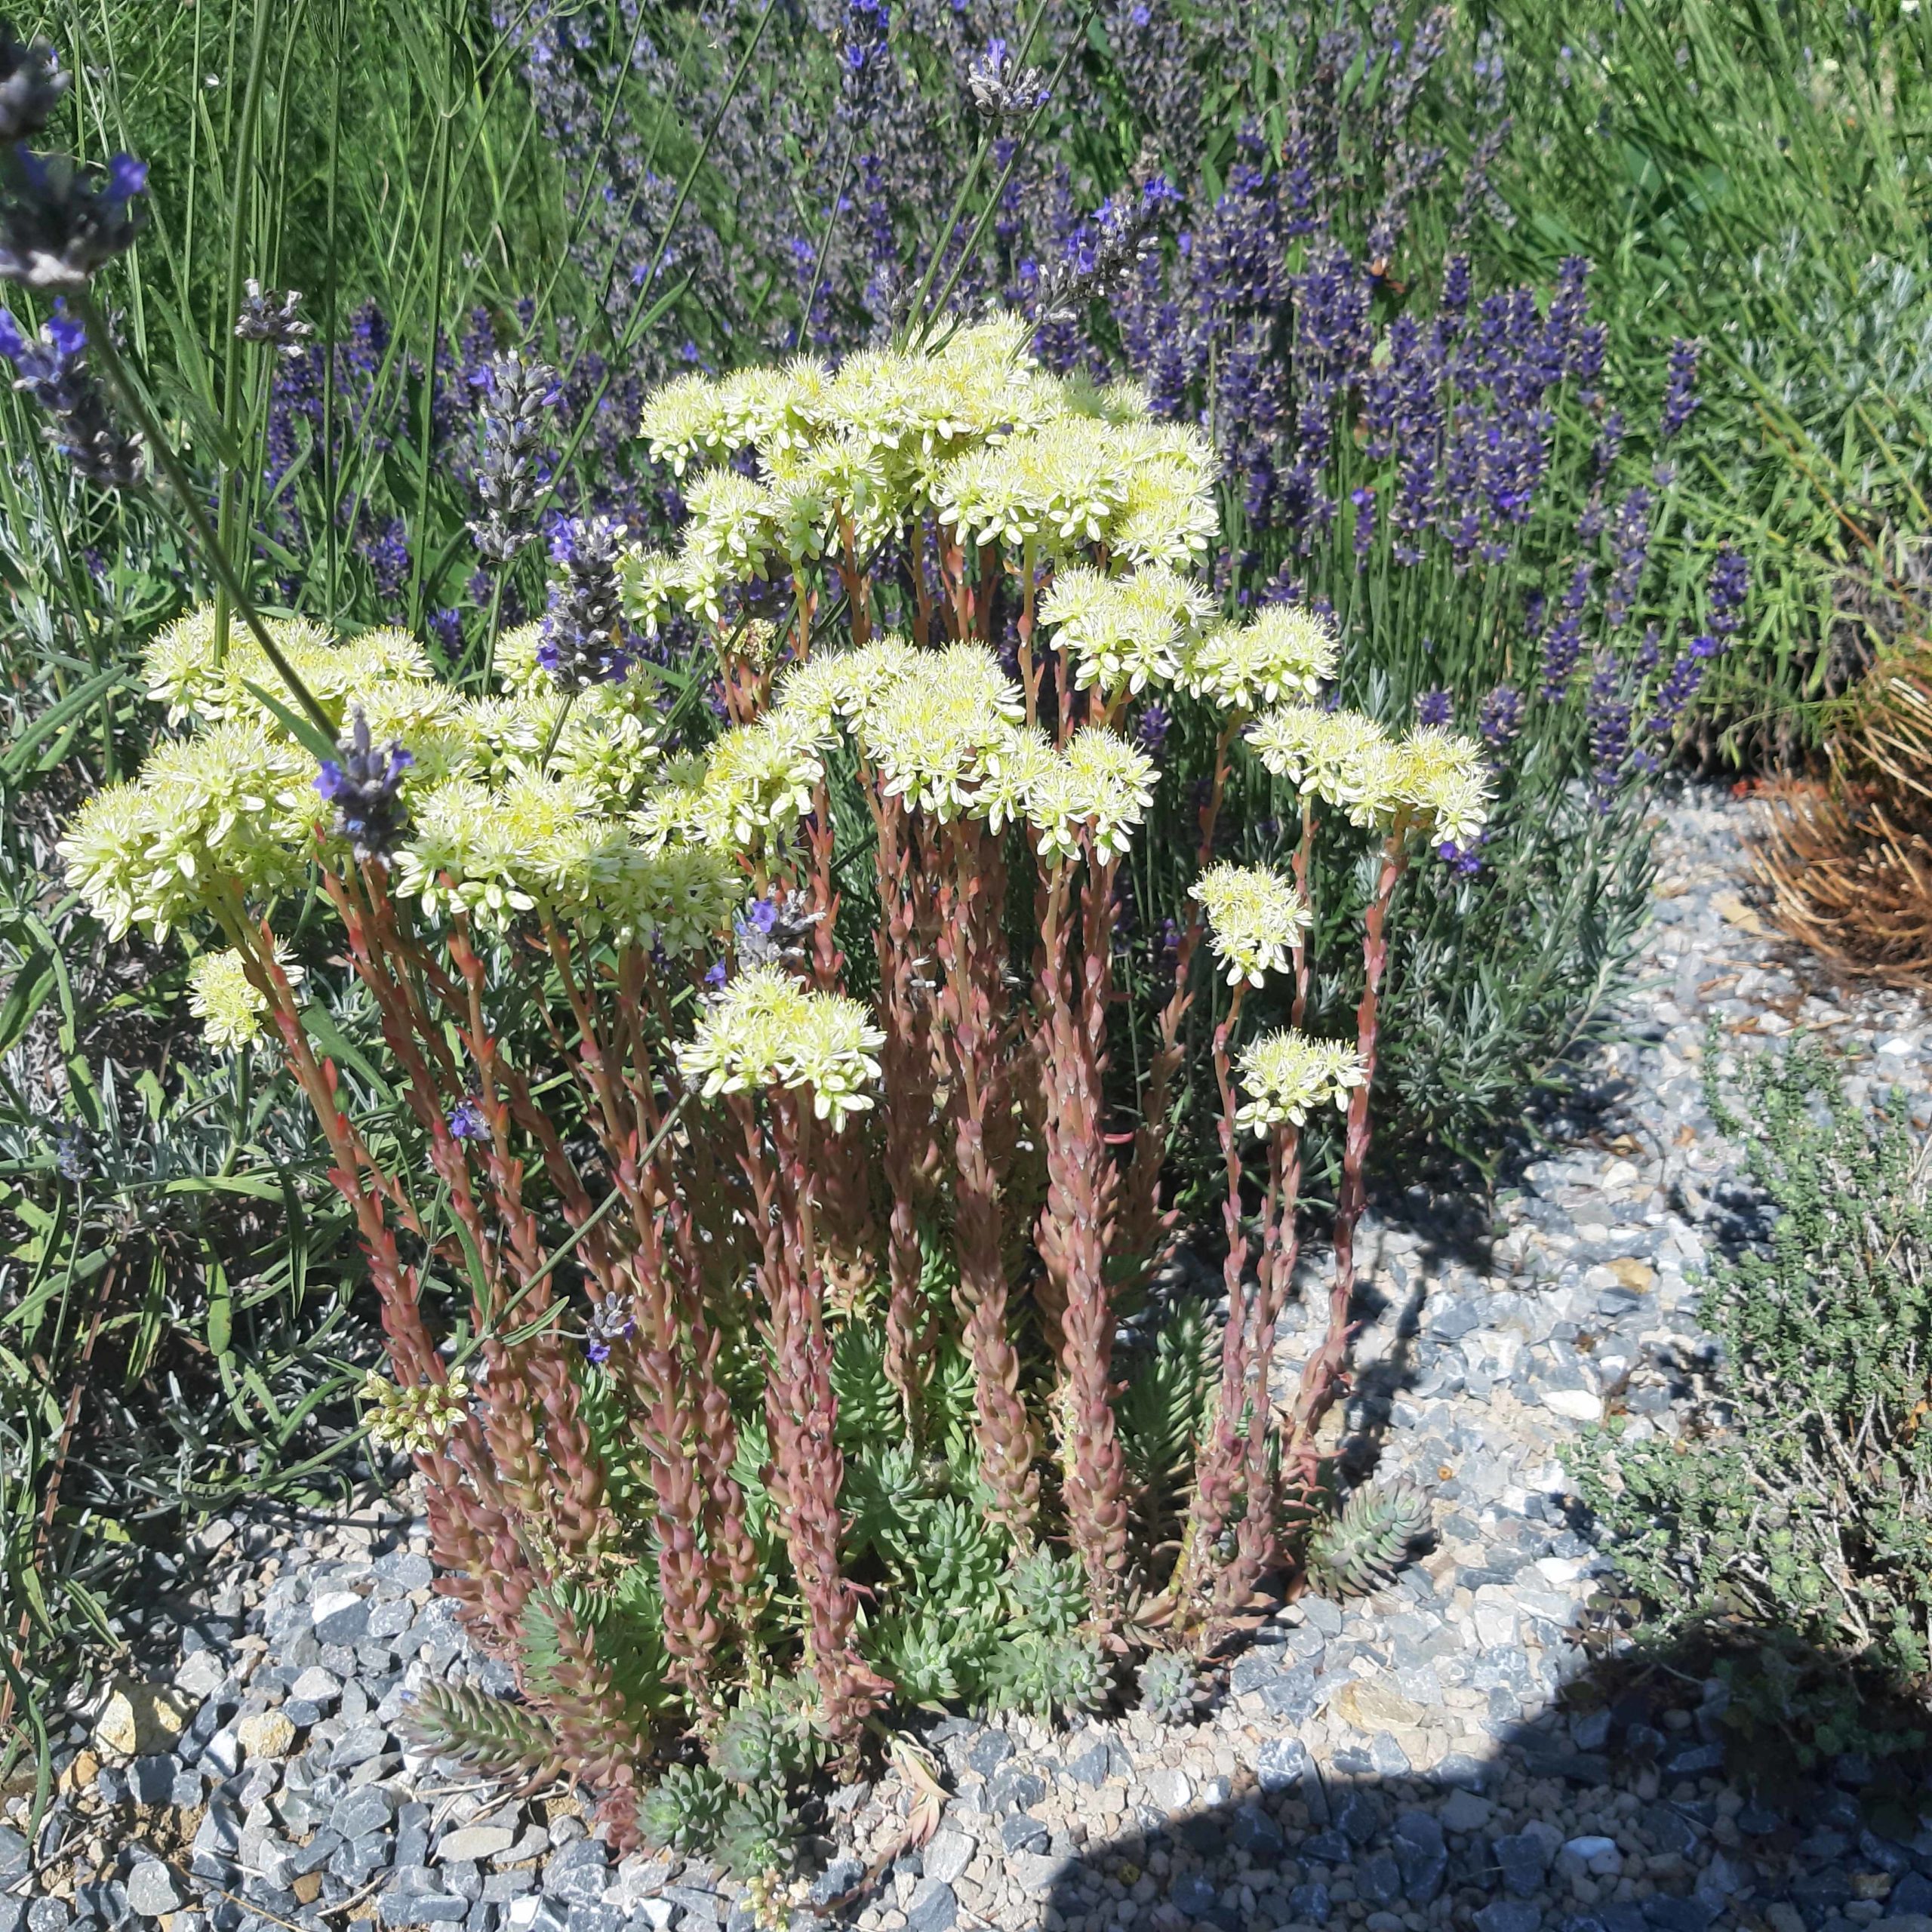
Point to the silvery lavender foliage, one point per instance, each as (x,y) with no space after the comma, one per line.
(516,395)
(365,786)
(51,368)
(274,324)
(583,641)
(31,85)
(61,222)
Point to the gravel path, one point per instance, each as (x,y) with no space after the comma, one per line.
(1397,1763)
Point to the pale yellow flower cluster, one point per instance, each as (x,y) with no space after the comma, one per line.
(1125,634)
(414,1419)
(1431,781)
(974,434)
(1285,653)
(765,1029)
(229,1007)
(1286,1076)
(1255,919)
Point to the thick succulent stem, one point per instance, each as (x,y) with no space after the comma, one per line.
(972,953)
(1323,1373)
(1075,1225)
(800,1411)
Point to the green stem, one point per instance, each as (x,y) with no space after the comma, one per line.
(102,342)
(231,363)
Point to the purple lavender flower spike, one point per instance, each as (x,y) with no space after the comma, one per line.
(1680,396)
(1729,584)
(51,370)
(582,642)
(1434,709)
(365,786)
(466,1121)
(1499,717)
(1608,713)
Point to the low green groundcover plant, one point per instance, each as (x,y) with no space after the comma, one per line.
(751,1274)
(1800,1505)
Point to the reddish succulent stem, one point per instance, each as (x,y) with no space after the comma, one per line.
(801,1412)
(1324,1374)
(972,953)
(1074,1226)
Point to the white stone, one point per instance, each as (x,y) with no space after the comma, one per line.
(1169,1788)
(1560,1569)
(947,1854)
(522,1912)
(200,1675)
(151,1890)
(1899,1046)
(474,1841)
(1495,1625)
(1620,1173)
(1578,1405)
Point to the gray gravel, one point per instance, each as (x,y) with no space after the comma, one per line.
(1397,1763)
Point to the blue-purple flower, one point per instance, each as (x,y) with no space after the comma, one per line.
(1434,709)
(583,641)
(1499,716)
(365,786)
(466,1121)
(51,368)
(1679,393)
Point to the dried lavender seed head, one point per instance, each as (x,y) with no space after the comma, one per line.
(516,395)
(275,324)
(583,628)
(1001,89)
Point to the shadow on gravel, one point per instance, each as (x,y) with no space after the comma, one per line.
(1673,1789)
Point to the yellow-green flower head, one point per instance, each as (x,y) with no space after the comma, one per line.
(648,581)
(182,674)
(1124,633)
(669,813)
(734,522)
(1075,477)
(414,1419)
(494,851)
(802,514)
(1445,781)
(1255,919)
(1286,1076)
(1126,401)
(223,817)
(1103,786)
(1283,656)
(616,753)
(1167,516)
(759,782)
(833,687)
(229,1007)
(766,1030)
(1015,763)
(772,409)
(685,422)
(988,496)
(678,897)
(1340,757)
(928,736)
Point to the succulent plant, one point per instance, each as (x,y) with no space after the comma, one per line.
(488,1734)
(756,1834)
(683,1810)
(1046,1677)
(1360,1548)
(1166,1687)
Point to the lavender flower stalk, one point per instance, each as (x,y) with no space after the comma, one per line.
(516,395)
(583,628)
(365,787)
(52,370)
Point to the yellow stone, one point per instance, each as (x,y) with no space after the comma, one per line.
(265,1734)
(1375,1707)
(139,1718)
(1635,1276)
